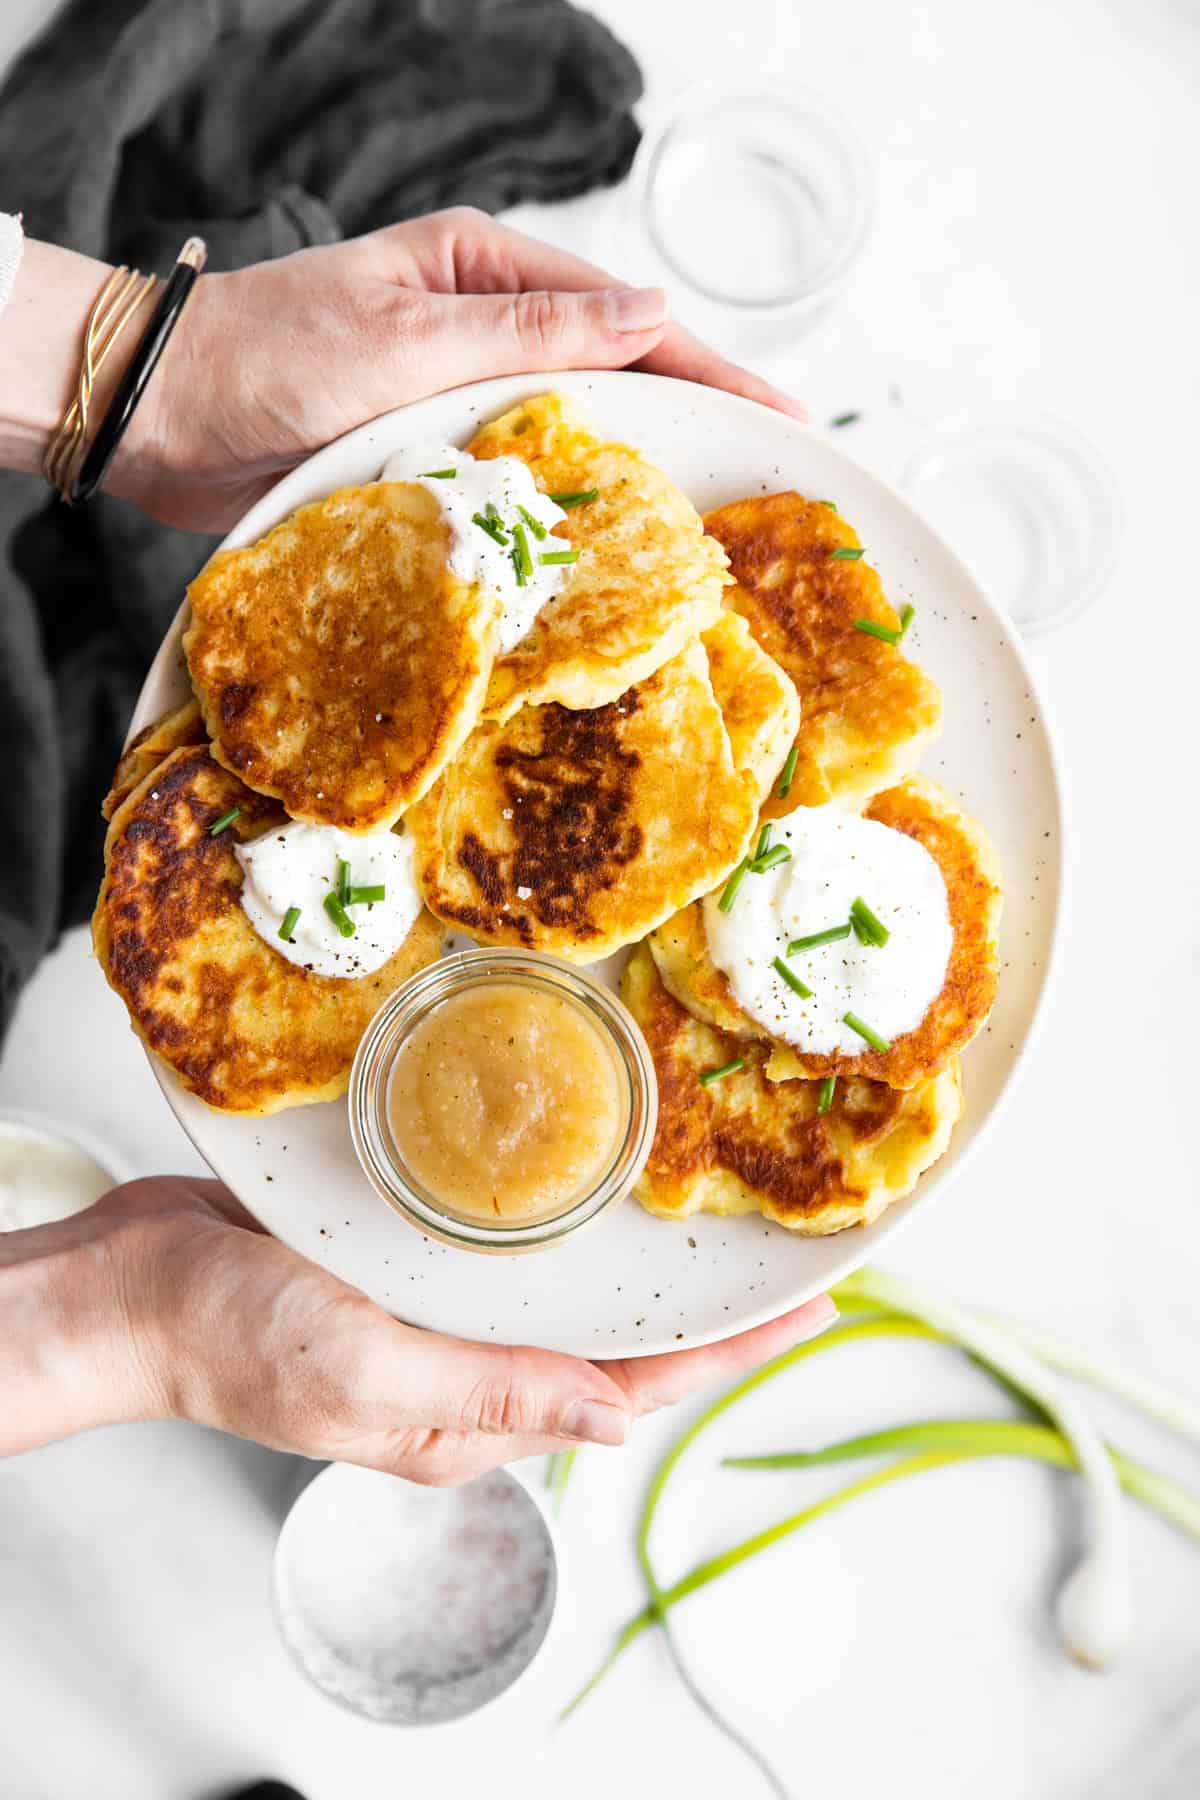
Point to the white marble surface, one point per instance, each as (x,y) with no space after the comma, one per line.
(1037,245)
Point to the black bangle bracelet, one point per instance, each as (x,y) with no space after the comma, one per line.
(142,365)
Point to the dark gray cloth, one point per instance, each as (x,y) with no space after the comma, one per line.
(264,125)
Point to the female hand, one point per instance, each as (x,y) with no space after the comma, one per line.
(166,1300)
(272,361)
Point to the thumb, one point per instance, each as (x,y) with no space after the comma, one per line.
(468,337)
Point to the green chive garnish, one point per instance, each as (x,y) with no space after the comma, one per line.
(817,939)
(789,772)
(290,920)
(518,566)
(884,633)
(343,880)
(831,504)
(778,853)
(845,554)
(732,885)
(846,419)
(729,1068)
(535,525)
(867,927)
(764,843)
(365,896)
(559,556)
(491,527)
(825,1097)
(792,979)
(437,474)
(492,511)
(866,1032)
(339,915)
(521,541)
(584,497)
(907,614)
(226,819)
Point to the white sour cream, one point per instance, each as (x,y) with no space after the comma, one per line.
(297,865)
(506,483)
(837,857)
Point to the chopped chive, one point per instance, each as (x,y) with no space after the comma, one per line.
(518,567)
(584,497)
(491,527)
(862,918)
(343,880)
(535,525)
(825,1097)
(226,819)
(339,915)
(850,418)
(729,1068)
(521,542)
(764,842)
(492,511)
(831,504)
(365,896)
(866,1032)
(789,772)
(437,474)
(792,979)
(559,556)
(884,633)
(907,614)
(818,938)
(845,554)
(778,853)
(290,920)
(732,885)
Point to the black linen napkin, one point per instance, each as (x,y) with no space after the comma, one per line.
(263,125)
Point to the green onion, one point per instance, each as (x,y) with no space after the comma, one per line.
(558,556)
(866,1032)
(778,853)
(817,938)
(518,566)
(343,880)
(789,772)
(764,841)
(290,920)
(867,928)
(226,819)
(437,474)
(339,915)
(535,525)
(850,418)
(907,614)
(732,885)
(825,1097)
(792,979)
(558,1473)
(365,896)
(846,554)
(884,633)
(584,497)
(831,504)
(729,1068)
(489,525)
(492,511)
(522,549)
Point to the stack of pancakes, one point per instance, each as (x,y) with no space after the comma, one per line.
(578,795)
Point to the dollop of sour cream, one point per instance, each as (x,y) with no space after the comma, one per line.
(837,857)
(297,865)
(505,483)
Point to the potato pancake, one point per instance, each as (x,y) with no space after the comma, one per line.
(184,726)
(757,701)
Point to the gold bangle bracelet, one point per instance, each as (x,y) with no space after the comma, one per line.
(116,304)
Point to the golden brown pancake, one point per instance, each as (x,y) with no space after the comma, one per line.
(747,1144)
(148,748)
(969,868)
(339,662)
(240,1025)
(757,701)
(647,579)
(576,832)
(866,711)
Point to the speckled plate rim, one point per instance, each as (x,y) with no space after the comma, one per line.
(637,1285)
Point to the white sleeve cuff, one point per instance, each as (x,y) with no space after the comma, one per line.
(12,240)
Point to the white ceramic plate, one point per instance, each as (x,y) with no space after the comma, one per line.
(635,1284)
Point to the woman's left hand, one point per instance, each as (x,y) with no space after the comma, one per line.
(271,362)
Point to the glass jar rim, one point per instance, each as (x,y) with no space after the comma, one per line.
(414,1001)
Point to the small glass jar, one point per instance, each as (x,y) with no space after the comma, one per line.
(382,1157)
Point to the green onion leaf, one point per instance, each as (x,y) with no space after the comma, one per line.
(792,979)
(290,920)
(584,497)
(437,474)
(729,1068)
(339,915)
(868,1034)
(906,618)
(789,772)
(764,842)
(850,418)
(817,938)
(365,896)
(825,1097)
(518,566)
(535,525)
(831,504)
(884,633)
(735,881)
(225,820)
(522,546)
(491,527)
(845,554)
(343,880)
(558,556)
(778,853)
(864,920)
